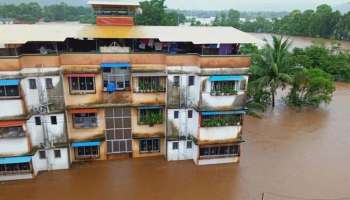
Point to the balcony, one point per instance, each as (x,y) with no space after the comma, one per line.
(93,58)
(12,138)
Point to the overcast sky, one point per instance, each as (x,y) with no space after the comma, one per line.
(249,5)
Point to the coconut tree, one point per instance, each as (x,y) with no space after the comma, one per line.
(270,70)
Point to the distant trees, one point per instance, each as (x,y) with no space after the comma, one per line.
(322,22)
(154,13)
(33,12)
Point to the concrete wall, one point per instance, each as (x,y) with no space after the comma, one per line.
(157,129)
(136,149)
(14,146)
(32,95)
(219,133)
(81,99)
(182,153)
(50,163)
(219,102)
(11,107)
(56,132)
(85,134)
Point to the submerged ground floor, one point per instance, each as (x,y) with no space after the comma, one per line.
(287,152)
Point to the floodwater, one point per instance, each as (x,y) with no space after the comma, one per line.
(287,153)
(303,42)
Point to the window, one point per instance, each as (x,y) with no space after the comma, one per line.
(116,78)
(49,84)
(14,169)
(84,120)
(219,151)
(150,145)
(190,80)
(86,152)
(37,121)
(57,153)
(220,120)
(118,130)
(150,116)
(219,88)
(176,81)
(190,114)
(151,84)
(82,84)
(53,120)
(32,84)
(189,145)
(9,91)
(176,114)
(42,154)
(12,132)
(175,145)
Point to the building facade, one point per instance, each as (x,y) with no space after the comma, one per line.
(116,90)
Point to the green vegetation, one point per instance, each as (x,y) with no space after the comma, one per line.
(216,121)
(151,117)
(33,12)
(270,71)
(308,73)
(154,13)
(311,87)
(322,22)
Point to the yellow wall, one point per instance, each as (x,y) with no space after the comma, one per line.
(76,99)
(136,151)
(86,134)
(103,153)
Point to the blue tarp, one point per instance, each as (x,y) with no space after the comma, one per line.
(115,65)
(111,87)
(226,78)
(85,144)
(9,82)
(14,160)
(236,112)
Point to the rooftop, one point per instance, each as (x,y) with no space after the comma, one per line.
(20,34)
(114,3)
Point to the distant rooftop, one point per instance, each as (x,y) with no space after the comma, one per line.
(20,34)
(115,3)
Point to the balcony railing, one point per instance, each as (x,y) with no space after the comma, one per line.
(88,58)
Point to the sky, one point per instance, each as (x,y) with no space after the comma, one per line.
(250,5)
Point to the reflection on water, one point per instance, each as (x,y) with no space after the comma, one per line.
(304,154)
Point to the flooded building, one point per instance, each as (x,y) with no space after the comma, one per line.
(117,90)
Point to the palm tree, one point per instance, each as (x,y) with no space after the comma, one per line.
(271,69)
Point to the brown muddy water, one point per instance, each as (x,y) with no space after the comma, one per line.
(303,42)
(303,154)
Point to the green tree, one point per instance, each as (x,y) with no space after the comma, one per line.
(311,87)
(154,13)
(231,18)
(271,68)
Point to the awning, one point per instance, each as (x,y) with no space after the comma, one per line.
(15,160)
(11,123)
(85,144)
(226,78)
(236,112)
(87,110)
(150,107)
(115,65)
(81,75)
(9,82)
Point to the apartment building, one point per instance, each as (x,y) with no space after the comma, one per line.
(116,90)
